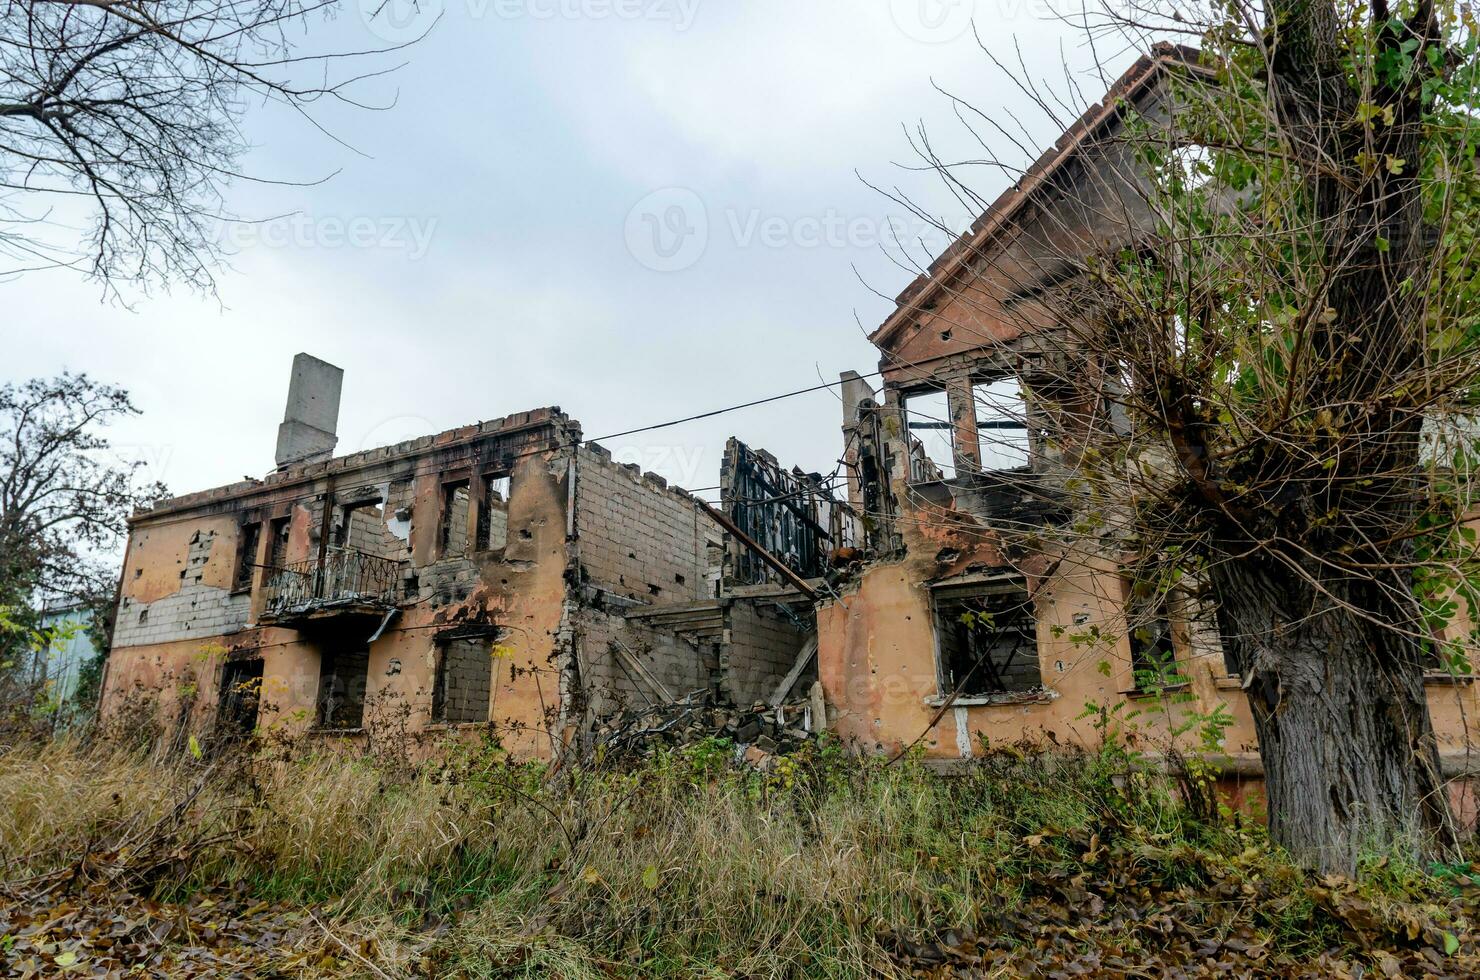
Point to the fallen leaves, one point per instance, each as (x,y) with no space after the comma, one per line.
(1137,909)
(102,931)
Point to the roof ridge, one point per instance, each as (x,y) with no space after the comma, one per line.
(1013,197)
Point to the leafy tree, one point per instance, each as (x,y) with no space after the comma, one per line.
(64,502)
(1293,338)
(1266,379)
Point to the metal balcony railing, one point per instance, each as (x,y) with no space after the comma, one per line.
(341,576)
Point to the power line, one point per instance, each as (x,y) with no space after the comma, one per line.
(691,418)
(731,408)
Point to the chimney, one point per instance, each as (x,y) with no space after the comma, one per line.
(855,392)
(312,415)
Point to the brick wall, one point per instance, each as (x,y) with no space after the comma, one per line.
(638,537)
(447,580)
(611,686)
(195,610)
(452,532)
(464,676)
(763,646)
(493,525)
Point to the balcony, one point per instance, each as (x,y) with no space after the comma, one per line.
(343,585)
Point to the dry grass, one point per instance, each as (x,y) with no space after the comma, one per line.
(683,867)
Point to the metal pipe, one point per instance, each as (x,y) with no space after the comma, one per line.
(723,520)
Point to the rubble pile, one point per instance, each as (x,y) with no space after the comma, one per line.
(758,733)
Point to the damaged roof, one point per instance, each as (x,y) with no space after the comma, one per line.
(304,472)
(1093,123)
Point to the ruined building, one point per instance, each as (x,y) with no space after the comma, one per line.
(502,572)
(938,638)
(507,573)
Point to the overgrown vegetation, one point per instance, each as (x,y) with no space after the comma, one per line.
(1255,349)
(473,865)
(65,495)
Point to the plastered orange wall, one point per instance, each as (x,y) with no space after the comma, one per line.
(877,665)
(524,593)
(157,553)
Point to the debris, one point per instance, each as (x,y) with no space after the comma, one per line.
(758,733)
(757,758)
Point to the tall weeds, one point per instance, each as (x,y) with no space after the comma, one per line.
(683,866)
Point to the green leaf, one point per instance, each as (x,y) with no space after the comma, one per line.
(1451,944)
(650,878)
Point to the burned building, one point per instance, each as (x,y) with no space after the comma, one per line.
(510,574)
(941,635)
(504,573)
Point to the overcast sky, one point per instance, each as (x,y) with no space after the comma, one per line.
(634,209)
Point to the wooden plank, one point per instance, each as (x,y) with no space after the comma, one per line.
(809,649)
(642,671)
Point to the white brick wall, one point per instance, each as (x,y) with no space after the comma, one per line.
(195,611)
(763,645)
(637,537)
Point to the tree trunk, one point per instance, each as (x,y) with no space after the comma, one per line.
(1350,761)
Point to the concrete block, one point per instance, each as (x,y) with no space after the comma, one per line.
(311,416)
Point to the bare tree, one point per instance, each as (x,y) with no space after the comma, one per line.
(120,123)
(1265,365)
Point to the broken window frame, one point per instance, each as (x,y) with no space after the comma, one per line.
(388,547)
(343,529)
(481,645)
(453,542)
(279,531)
(928,421)
(241,683)
(342,670)
(248,539)
(1116,385)
(988,443)
(1152,670)
(482,535)
(1010,594)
